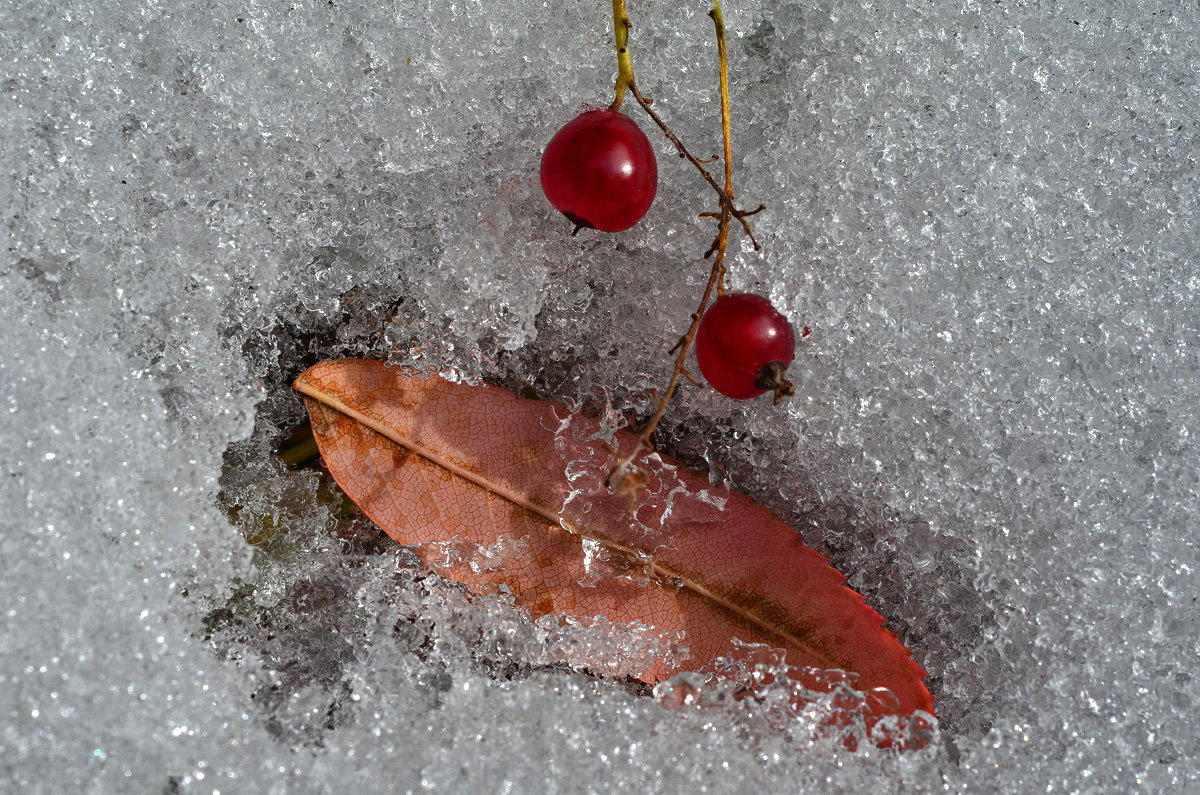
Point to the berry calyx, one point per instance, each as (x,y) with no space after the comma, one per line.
(743,347)
(599,170)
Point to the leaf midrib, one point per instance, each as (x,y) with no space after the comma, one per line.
(553,517)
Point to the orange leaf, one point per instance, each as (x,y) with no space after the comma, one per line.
(431,461)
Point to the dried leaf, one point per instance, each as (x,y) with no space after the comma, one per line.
(438,463)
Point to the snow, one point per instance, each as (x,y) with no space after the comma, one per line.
(984,212)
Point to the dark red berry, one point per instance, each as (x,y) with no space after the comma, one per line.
(599,171)
(743,347)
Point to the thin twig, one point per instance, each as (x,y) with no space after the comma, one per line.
(623,478)
(725,199)
(625,80)
(727,139)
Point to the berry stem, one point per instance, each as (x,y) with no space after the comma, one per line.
(725,199)
(623,478)
(621,26)
(727,139)
(625,81)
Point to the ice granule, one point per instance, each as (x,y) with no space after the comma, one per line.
(984,213)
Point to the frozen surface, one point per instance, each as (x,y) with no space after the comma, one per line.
(986,214)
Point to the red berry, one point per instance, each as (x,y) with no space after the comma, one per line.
(744,345)
(599,171)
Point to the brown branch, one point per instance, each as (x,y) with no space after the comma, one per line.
(619,475)
(725,199)
(625,80)
(624,478)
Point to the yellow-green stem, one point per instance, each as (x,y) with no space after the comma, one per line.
(621,26)
(727,135)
